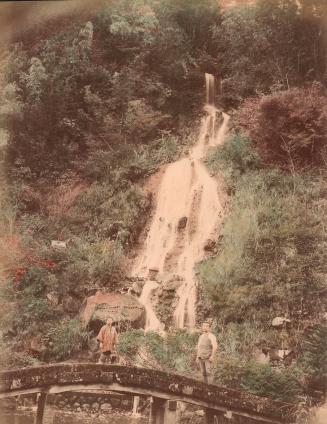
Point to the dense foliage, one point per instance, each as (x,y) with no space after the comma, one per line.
(271,45)
(93,109)
(288,128)
(173,352)
(271,262)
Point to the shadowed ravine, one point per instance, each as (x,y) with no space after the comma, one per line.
(186,191)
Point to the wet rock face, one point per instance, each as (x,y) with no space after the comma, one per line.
(121,307)
(166,300)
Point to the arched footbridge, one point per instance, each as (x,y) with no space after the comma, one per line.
(164,388)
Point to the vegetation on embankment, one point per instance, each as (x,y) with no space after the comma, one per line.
(271,259)
(90,111)
(94,109)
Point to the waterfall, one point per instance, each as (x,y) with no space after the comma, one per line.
(186,191)
(152,322)
(210,89)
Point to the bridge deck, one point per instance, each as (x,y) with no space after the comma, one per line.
(58,378)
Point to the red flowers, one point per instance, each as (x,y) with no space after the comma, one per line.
(20,272)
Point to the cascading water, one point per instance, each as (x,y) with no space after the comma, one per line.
(187,191)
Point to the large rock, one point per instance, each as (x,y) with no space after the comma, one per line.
(37,345)
(278,322)
(123,308)
(210,246)
(136,288)
(182,223)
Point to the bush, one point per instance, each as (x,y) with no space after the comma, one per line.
(270,250)
(288,128)
(10,359)
(228,371)
(313,357)
(130,162)
(66,338)
(174,352)
(109,212)
(263,380)
(234,158)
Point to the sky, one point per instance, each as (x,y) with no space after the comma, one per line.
(16,17)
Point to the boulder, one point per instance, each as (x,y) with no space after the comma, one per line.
(210,246)
(121,307)
(136,288)
(37,345)
(278,322)
(53,298)
(182,223)
(171,286)
(106,407)
(95,406)
(153,272)
(56,244)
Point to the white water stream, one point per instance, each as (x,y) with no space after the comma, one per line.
(186,191)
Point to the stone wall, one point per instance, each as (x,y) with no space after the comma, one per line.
(92,402)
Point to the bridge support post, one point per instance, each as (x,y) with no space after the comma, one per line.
(157,411)
(211,417)
(163,412)
(136,402)
(171,415)
(40,407)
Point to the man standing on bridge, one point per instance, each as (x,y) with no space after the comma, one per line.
(108,341)
(206,350)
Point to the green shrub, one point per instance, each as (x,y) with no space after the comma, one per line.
(33,281)
(108,212)
(238,340)
(130,162)
(129,342)
(173,352)
(228,371)
(279,384)
(104,260)
(65,338)
(10,359)
(234,158)
(313,358)
(270,250)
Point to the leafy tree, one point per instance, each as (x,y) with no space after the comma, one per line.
(196,20)
(288,128)
(270,45)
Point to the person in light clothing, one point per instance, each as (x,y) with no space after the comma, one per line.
(206,350)
(107,338)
